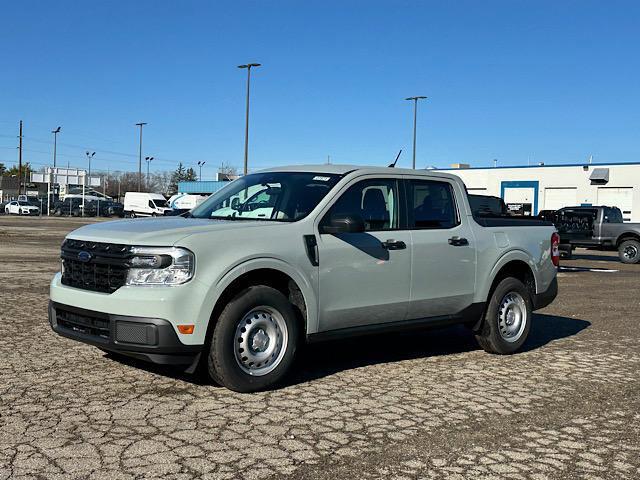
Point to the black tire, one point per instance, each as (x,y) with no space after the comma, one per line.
(493,331)
(132,214)
(629,251)
(222,365)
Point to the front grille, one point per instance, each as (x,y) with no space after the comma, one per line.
(92,326)
(96,266)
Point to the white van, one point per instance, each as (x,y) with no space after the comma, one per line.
(142,204)
(185,201)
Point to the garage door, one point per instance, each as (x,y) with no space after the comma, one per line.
(617,197)
(556,198)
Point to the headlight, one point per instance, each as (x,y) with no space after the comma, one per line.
(160,266)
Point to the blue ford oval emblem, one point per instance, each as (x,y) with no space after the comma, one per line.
(84,256)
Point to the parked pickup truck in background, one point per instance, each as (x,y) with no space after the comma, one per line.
(599,227)
(300,254)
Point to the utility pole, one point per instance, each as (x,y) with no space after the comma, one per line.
(246,127)
(20,160)
(141,124)
(55,144)
(148,160)
(415,120)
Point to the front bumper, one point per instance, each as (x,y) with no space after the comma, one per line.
(150,339)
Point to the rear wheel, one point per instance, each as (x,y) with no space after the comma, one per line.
(507,321)
(132,214)
(254,341)
(629,251)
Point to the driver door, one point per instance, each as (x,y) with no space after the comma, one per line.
(364,278)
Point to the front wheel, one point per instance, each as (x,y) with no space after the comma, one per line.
(254,341)
(508,318)
(629,251)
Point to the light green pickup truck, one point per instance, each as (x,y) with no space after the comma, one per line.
(298,254)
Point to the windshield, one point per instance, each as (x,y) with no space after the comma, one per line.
(160,203)
(277,196)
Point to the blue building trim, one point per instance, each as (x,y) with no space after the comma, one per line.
(523,184)
(550,165)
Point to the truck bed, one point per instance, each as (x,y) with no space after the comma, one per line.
(510,221)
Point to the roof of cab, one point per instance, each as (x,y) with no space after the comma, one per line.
(345,169)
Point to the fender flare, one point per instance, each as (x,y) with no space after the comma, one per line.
(511,255)
(247,266)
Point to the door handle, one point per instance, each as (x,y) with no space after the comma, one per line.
(458,241)
(394,245)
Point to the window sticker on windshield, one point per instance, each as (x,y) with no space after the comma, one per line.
(322,179)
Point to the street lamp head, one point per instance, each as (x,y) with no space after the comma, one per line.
(249,65)
(415,98)
(57,130)
(140,124)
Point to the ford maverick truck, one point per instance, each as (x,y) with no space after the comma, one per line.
(299,254)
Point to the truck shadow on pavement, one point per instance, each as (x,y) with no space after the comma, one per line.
(327,358)
(323,359)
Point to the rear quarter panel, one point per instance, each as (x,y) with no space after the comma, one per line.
(497,246)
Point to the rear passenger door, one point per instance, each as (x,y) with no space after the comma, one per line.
(443,251)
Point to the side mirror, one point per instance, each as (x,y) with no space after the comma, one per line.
(235,202)
(350,223)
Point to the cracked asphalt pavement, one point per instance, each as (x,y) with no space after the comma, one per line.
(428,405)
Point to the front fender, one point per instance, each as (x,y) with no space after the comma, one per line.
(301,279)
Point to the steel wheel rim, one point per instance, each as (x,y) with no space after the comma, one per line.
(630,252)
(260,341)
(512,317)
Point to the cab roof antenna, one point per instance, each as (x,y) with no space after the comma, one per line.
(392,165)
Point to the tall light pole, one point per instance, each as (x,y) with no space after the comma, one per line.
(200,164)
(415,119)
(148,159)
(55,144)
(141,124)
(89,157)
(248,66)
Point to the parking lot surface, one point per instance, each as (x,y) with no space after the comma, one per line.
(428,405)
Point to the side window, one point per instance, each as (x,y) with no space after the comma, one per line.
(431,205)
(376,201)
(616,216)
(151,205)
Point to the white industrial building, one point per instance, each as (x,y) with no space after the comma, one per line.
(529,189)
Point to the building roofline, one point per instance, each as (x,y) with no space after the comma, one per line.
(540,166)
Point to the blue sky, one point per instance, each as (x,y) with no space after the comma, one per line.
(513,80)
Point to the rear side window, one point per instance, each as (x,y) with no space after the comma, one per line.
(613,215)
(431,205)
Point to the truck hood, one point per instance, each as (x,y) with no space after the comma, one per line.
(157,231)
